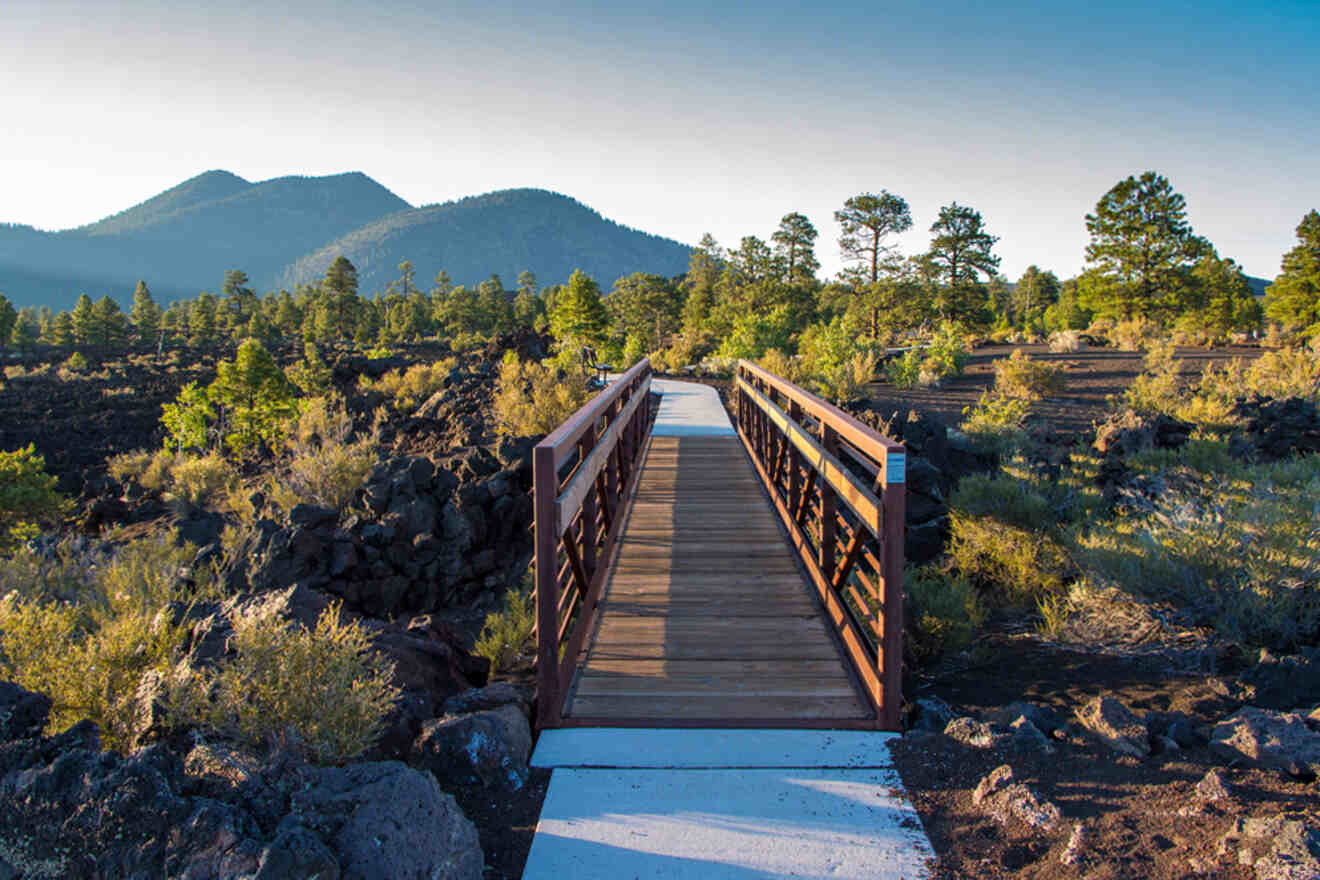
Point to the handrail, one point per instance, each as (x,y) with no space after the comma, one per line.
(577,528)
(803,467)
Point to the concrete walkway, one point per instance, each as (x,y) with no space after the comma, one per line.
(689,803)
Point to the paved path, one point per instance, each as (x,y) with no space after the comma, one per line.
(692,803)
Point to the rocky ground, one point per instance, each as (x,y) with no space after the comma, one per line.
(439,531)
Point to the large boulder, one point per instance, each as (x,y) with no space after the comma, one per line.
(490,747)
(1278,429)
(1264,738)
(1116,726)
(385,819)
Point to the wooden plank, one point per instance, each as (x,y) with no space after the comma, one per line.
(807,669)
(720,706)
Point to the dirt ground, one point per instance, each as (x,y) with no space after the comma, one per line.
(1140,818)
(1093,376)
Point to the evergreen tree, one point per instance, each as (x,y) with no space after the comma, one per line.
(109,325)
(646,306)
(8,318)
(83,320)
(1035,291)
(201,320)
(288,317)
(238,302)
(337,309)
(1221,301)
(795,243)
(867,220)
(145,315)
(1141,242)
(1294,298)
(63,333)
(579,316)
(22,336)
(256,395)
(959,251)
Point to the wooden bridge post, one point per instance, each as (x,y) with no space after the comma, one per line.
(829,441)
(894,499)
(545,482)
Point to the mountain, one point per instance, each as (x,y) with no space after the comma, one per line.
(288,230)
(183,240)
(499,233)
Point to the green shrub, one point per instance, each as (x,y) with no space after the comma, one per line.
(198,482)
(328,466)
(1132,334)
(943,611)
(1020,565)
(782,365)
(86,635)
(1003,497)
(311,374)
(995,423)
(76,363)
(27,495)
(1240,550)
(324,691)
(507,633)
(410,388)
(1020,377)
(905,371)
(1158,389)
(535,398)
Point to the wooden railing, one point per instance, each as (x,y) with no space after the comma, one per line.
(582,475)
(839,488)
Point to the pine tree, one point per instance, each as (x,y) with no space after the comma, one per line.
(109,323)
(256,394)
(579,316)
(959,251)
(795,242)
(83,320)
(867,220)
(1294,298)
(8,318)
(201,320)
(145,315)
(1141,242)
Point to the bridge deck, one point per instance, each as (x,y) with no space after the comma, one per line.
(706,617)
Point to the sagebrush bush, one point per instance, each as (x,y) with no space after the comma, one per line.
(86,634)
(783,365)
(507,633)
(1063,341)
(1132,334)
(1019,565)
(198,482)
(535,398)
(325,691)
(1006,498)
(328,465)
(995,424)
(1239,548)
(1020,377)
(943,611)
(1159,387)
(410,388)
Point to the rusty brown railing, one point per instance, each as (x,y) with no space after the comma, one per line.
(578,517)
(839,488)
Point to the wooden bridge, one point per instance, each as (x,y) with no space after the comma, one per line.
(691,575)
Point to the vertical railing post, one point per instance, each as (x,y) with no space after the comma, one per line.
(545,487)
(830,442)
(894,502)
(794,473)
(589,510)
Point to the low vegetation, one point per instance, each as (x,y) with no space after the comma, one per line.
(323,691)
(535,398)
(507,633)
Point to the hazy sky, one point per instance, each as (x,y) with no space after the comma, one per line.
(685,117)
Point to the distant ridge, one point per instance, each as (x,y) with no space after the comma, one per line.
(501,233)
(208,186)
(286,231)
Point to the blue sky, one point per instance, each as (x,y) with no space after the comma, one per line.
(682,118)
